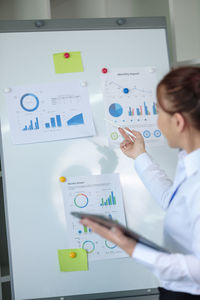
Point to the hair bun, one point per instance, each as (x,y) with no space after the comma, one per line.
(195,84)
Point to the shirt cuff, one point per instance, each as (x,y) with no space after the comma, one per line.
(145,254)
(142,162)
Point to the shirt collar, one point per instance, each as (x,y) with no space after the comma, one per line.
(192,162)
(181,154)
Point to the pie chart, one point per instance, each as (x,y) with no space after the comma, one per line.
(115,110)
(29,102)
(146,133)
(157,133)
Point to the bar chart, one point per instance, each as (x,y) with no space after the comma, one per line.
(54,122)
(142,110)
(111,200)
(33,125)
(84,230)
(154,108)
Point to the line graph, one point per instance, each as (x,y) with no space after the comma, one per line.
(131,89)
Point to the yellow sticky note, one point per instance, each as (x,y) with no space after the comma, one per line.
(69,262)
(68,65)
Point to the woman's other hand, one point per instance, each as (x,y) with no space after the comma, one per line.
(132,146)
(114,235)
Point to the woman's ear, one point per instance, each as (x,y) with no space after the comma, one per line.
(180,122)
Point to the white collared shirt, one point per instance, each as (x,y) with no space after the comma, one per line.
(179,271)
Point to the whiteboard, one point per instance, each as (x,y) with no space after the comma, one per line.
(34,206)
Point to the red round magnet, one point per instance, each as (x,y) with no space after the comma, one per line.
(66,55)
(104,70)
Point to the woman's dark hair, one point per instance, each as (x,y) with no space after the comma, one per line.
(182,90)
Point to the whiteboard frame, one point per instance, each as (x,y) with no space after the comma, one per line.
(83,24)
(73,25)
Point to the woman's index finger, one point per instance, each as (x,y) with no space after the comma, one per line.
(124,134)
(133,131)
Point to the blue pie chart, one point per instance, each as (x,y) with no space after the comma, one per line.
(115,110)
(29,102)
(147,134)
(157,133)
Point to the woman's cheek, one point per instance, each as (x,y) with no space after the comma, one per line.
(158,122)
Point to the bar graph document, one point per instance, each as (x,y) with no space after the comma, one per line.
(100,194)
(49,112)
(130,100)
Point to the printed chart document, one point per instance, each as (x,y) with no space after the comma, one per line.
(130,100)
(49,112)
(100,194)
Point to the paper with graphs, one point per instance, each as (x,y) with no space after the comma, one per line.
(99,194)
(130,100)
(49,112)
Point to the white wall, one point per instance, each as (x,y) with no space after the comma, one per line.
(24,9)
(6,10)
(77,9)
(108,8)
(137,8)
(186,24)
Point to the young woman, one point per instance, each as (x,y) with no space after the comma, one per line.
(178,103)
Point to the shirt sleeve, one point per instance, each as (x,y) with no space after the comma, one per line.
(174,268)
(169,267)
(155,179)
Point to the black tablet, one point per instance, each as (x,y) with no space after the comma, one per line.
(108,223)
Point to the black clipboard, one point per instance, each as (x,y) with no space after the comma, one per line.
(108,223)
